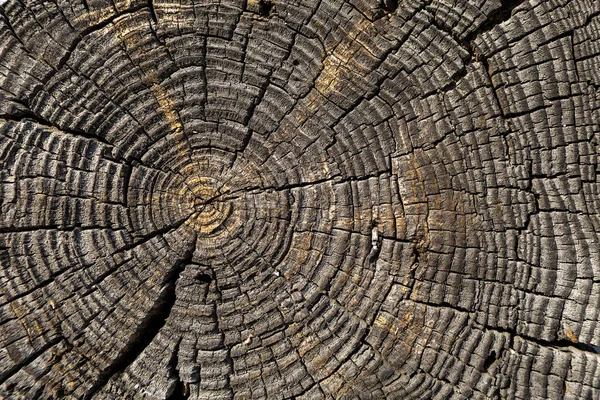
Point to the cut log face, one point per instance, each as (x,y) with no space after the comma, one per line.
(258,199)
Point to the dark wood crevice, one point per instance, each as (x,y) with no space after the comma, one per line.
(145,333)
(265,7)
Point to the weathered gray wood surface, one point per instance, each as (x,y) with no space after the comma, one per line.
(299,199)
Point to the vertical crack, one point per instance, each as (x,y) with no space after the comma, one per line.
(228,358)
(152,11)
(182,389)
(145,333)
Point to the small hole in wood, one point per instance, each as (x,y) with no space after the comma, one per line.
(181,392)
(389,6)
(489,361)
(295,63)
(204,278)
(264,8)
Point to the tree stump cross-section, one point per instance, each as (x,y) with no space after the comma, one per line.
(303,199)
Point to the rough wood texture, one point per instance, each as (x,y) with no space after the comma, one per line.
(299,199)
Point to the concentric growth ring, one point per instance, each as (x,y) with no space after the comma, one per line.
(301,199)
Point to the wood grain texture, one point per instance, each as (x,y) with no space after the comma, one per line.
(303,199)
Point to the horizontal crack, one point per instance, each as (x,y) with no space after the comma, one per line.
(253,190)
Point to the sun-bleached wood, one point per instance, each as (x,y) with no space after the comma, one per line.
(249,199)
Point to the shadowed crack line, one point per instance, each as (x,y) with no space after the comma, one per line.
(147,330)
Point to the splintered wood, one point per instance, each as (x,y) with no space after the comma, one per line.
(268,199)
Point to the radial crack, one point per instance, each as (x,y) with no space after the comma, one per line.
(145,333)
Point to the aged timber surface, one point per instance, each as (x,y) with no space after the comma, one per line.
(299,199)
